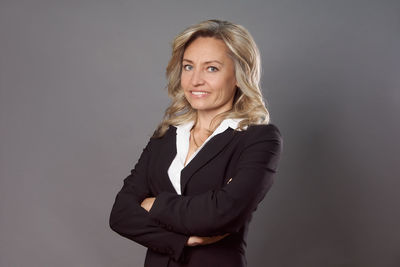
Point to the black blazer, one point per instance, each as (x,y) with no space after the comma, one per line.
(221,188)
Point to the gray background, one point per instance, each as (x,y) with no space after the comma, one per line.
(81,91)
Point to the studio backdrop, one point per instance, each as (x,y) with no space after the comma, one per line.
(82,88)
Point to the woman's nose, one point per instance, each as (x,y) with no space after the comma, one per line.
(197,77)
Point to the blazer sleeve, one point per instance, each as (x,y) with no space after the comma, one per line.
(130,220)
(225,210)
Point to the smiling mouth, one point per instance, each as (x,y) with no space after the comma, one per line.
(199,93)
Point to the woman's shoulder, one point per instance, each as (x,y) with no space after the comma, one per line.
(171,131)
(264,136)
(263,131)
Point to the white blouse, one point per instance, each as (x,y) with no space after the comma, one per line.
(182,148)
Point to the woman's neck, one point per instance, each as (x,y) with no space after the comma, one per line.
(205,122)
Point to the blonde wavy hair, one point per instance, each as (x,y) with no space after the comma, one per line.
(248,103)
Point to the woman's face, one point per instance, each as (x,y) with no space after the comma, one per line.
(208,76)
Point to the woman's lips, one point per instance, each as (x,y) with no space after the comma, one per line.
(199,93)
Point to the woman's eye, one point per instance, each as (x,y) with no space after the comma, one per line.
(187,67)
(212,69)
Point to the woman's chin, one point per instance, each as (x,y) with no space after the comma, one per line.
(198,106)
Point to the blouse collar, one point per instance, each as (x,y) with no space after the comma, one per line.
(225,124)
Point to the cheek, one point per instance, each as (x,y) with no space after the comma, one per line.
(184,80)
(227,88)
(184,86)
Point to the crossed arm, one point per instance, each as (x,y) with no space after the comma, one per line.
(130,220)
(153,222)
(224,210)
(193,240)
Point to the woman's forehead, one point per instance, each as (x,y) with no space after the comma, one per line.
(206,50)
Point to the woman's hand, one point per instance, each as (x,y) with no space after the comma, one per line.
(204,240)
(147,203)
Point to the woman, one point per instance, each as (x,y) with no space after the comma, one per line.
(191,195)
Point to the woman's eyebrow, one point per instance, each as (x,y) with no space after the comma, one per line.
(213,61)
(207,62)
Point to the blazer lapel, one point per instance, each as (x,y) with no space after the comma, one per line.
(206,154)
